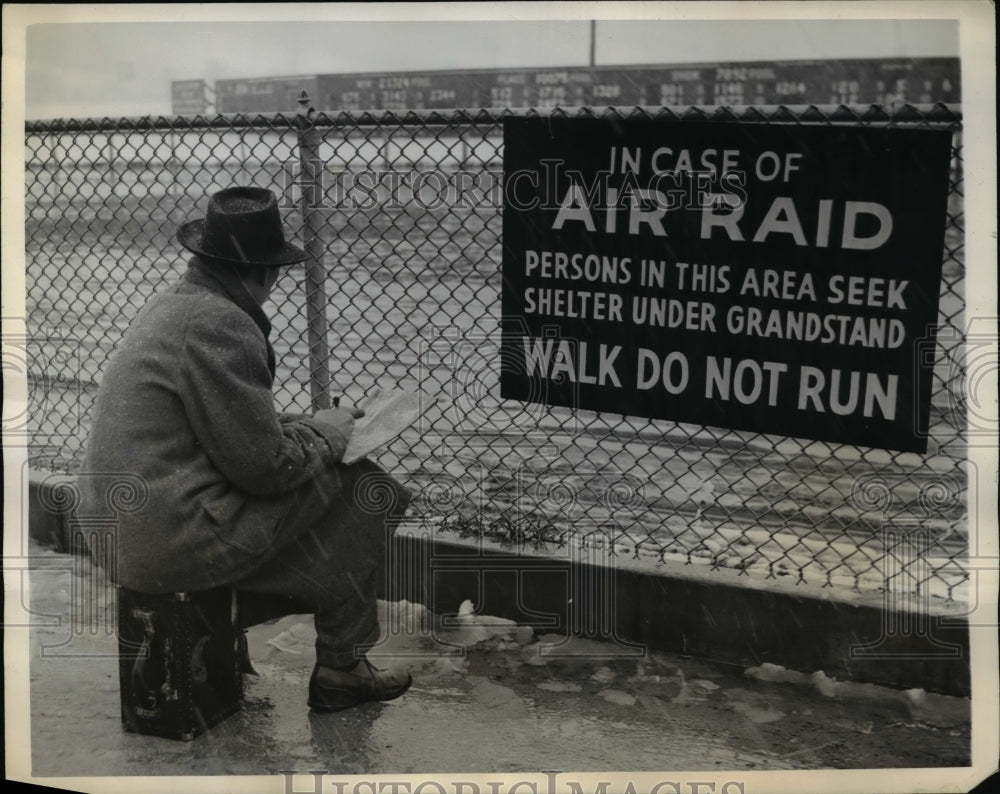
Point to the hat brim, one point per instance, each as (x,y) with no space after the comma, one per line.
(189,235)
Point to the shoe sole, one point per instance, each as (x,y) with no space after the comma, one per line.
(326,706)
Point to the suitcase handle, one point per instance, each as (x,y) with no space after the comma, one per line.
(144,694)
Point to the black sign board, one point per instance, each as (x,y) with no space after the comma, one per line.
(775,278)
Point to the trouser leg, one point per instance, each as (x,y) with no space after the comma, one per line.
(345,631)
(331,566)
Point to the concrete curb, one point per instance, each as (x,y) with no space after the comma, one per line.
(48,521)
(718,615)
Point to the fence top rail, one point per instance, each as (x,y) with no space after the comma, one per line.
(935,114)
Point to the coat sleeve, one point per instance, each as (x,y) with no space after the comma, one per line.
(225,386)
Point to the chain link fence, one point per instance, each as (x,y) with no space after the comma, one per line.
(404,214)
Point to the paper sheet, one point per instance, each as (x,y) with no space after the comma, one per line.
(387,414)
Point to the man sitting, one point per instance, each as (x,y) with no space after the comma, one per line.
(238,494)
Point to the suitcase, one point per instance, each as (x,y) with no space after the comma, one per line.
(178,661)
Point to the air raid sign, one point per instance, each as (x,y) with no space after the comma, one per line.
(781,279)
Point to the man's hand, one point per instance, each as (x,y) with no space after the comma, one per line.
(341,418)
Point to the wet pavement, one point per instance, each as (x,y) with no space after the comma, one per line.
(488,695)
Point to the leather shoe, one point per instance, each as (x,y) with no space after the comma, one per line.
(333,690)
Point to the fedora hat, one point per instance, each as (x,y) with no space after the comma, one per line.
(242,226)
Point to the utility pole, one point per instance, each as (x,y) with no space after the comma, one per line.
(593,41)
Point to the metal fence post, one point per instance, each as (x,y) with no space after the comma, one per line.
(311,180)
(108,176)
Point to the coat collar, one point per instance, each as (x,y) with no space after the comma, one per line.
(227,282)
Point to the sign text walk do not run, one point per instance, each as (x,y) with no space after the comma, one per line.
(774,278)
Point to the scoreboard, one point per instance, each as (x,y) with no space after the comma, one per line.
(189,97)
(861,81)
(263,94)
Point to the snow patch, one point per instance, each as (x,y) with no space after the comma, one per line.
(825,685)
(926,707)
(404,617)
(603,675)
(470,629)
(297,637)
(284,642)
(756,714)
(776,673)
(617,696)
(450,664)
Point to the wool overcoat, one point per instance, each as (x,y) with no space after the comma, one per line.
(185,409)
